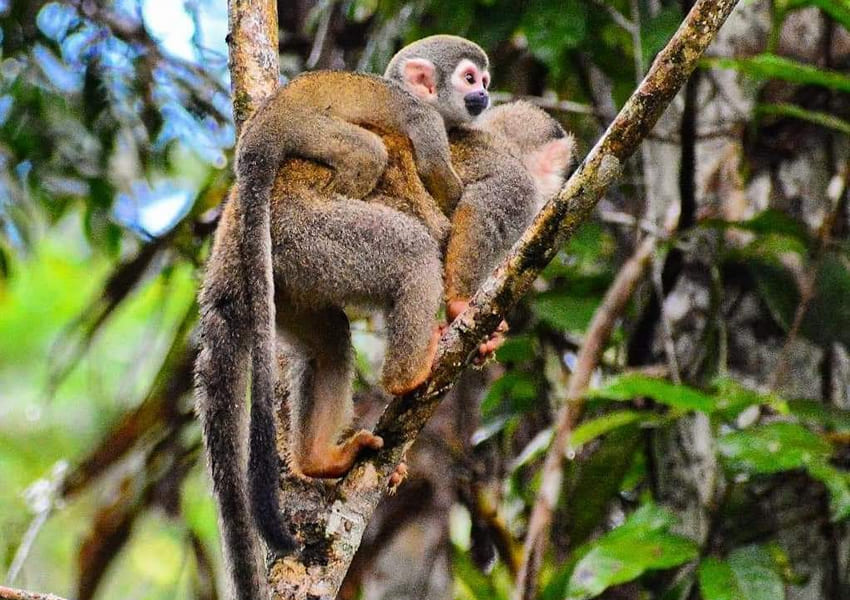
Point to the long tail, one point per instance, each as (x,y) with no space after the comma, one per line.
(220,375)
(256,168)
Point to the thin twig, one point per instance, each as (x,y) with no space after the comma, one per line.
(7,593)
(327,10)
(618,17)
(598,333)
(808,283)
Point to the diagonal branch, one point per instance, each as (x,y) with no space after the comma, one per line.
(598,333)
(350,505)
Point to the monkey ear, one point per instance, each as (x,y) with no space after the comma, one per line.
(419,77)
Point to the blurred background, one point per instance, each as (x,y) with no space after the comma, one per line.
(712,457)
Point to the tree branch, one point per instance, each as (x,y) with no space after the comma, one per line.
(598,333)
(332,519)
(7,593)
(254,63)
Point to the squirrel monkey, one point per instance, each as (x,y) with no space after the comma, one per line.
(511,160)
(312,250)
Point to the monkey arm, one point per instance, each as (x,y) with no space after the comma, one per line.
(490,217)
(285,128)
(384,106)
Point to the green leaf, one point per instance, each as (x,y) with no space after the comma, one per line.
(590,484)
(797,112)
(756,573)
(828,316)
(593,428)
(717,581)
(748,574)
(641,544)
(513,392)
(769,66)
(563,311)
(768,222)
(534,449)
(739,397)
(682,397)
(773,448)
(818,413)
(778,288)
(657,30)
(552,27)
(517,348)
(470,582)
(838,485)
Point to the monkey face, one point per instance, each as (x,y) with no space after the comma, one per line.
(470,82)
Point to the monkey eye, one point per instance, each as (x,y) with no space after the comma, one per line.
(486,81)
(470,78)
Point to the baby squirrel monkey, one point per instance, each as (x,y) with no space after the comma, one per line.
(511,160)
(312,252)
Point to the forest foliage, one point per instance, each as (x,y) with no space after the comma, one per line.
(114,153)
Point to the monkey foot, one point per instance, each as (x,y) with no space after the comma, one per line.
(397,478)
(336,461)
(489,346)
(405,387)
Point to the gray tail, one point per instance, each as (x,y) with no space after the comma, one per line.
(220,377)
(258,170)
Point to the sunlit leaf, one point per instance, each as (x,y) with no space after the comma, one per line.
(769,66)
(748,574)
(641,544)
(682,397)
(773,448)
(564,311)
(593,428)
(837,484)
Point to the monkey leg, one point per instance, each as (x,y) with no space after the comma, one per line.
(347,251)
(288,128)
(320,365)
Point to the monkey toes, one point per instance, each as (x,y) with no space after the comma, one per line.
(486,349)
(336,461)
(397,478)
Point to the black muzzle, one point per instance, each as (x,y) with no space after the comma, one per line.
(476,102)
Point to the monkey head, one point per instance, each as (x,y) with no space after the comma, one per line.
(446,71)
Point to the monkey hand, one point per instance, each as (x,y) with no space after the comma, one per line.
(488,347)
(444,184)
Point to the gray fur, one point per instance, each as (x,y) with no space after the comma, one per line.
(501,193)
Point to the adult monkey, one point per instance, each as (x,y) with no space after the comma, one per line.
(308,120)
